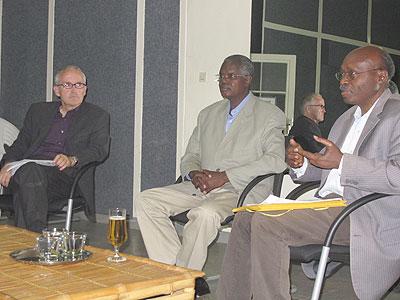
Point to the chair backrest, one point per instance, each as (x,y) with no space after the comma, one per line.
(288,186)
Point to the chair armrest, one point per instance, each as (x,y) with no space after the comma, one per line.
(82,170)
(347,211)
(179,180)
(302,189)
(276,190)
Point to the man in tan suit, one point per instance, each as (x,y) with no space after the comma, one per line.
(235,140)
(361,156)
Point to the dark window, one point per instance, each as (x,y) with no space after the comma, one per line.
(346,18)
(299,13)
(385,23)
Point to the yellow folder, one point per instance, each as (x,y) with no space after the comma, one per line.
(292,204)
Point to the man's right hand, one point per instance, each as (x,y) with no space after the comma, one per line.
(5,176)
(199,180)
(294,159)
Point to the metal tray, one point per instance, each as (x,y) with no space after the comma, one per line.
(31,256)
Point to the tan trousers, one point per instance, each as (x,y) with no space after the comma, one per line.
(257,257)
(153,208)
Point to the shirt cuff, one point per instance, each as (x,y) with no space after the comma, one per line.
(302,170)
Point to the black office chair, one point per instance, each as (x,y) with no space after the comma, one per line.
(79,203)
(325,257)
(339,255)
(276,190)
(308,255)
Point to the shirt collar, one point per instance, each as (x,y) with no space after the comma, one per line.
(357,114)
(234,112)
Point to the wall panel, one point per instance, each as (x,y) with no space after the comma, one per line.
(24,57)
(160,96)
(100,37)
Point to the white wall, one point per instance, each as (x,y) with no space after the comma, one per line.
(210,31)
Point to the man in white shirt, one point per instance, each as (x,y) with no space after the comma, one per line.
(361,156)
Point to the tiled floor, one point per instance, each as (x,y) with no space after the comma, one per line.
(336,287)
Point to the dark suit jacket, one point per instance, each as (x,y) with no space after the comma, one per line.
(303,130)
(88,139)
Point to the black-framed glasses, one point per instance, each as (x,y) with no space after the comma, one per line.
(69,85)
(230,76)
(321,106)
(351,75)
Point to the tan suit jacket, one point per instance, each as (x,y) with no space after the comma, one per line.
(373,167)
(254,145)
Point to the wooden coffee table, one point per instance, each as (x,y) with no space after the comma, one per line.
(94,278)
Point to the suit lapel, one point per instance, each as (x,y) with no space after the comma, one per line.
(342,131)
(76,122)
(220,124)
(243,116)
(44,123)
(372,121)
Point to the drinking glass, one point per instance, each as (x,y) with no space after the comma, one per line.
(117,232)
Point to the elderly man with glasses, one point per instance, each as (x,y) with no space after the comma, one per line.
(306,127)
(235,140)
(70,133)
(361,157)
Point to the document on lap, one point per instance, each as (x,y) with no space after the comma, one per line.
(15,165)
(275,203)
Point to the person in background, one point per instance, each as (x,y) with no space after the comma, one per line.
(235,140)
(71,133)
(306,127)
(361,157)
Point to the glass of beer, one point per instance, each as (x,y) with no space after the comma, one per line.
(117,232)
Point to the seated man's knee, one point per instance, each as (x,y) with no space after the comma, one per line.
(242,221)
(29,173)
(146,200)
(204,215)
(264,225)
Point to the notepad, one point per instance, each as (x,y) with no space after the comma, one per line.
(273,203)
(15,165)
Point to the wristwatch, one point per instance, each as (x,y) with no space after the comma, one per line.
(74,161)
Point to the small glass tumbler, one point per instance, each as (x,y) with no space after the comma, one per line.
(48,247)
(73,245)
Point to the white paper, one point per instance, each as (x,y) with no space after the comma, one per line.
(15,165)
(271,199)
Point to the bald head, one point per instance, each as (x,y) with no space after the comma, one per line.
(365,74)
(376,57)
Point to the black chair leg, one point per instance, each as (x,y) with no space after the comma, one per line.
(201,287)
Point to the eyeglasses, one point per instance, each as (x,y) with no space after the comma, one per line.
(231,76)
(319,105)
(69,85)
(351,75)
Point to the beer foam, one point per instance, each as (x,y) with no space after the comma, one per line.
(117,218)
